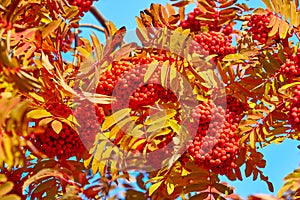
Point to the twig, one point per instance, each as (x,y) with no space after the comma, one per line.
(76,45)
(92,26)
(99,17)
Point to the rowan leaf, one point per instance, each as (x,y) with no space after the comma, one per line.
(173,19)
(223,188)
(293,12)
(283,89)
(170,188)
(269,4)
(135,195)
(217,196)
(283,29)
(227,3)
(11,197)
(181,3)
(56,126)
(150,70)
(51,27)
(154,187)
(5,188)
(275,28)
(235,57)
(115,118)
(202,195)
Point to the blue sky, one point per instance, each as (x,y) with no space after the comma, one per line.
(281,159)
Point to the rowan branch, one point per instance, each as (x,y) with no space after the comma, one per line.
(99,17)
(92,26)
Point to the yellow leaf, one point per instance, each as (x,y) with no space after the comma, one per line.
(56,126)
(38,114)
(11,197)
(170,188)
(45,121)
(164,72)
(51,27)
(115,118)
(142,29)
(252,139)
(283,29)
(283,89)
(174,125)
(293,13)
(36,96)
(5,188)
(154,187)
(274,28)
(151,68)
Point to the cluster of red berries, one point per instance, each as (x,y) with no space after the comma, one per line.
(294,109)
(125,79)
(89,116)
(234,109)
(291,67)
(191,22)
(203,112)
(64,145)
(258,26)
(83,5)
(216,143)
(195,24)
(214,43)
(58,109)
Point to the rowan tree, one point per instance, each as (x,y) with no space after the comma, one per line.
(193,97)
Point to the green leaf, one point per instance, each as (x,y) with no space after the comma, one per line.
(38,114)
(154,187)
(56,126)
(115,118)
(5,188)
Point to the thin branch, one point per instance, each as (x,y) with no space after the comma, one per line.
(98,28)
(76,32)
(99,17)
